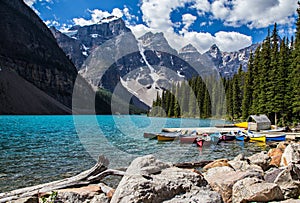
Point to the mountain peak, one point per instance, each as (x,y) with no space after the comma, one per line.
(188,48)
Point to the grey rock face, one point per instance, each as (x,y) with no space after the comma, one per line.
(29,49)
(228,63)
(222,179)
(149,180)
(261,159)
(289,181)
(291,154)
(253,189)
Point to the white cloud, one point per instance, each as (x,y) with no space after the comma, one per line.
(232,41)
(254,13)
(156,15)
(188,20)
(96,16)
(50,23)
(129,17)
(202,6)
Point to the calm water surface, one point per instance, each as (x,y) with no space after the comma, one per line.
(38,149)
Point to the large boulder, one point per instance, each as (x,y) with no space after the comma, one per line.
(275,154)
(203,195)
(222,179)
(271,175)
(216,163)
(289,181)
(245,166)
(255,190)
(291,154)
(149,180)
(261,159)
(78,195)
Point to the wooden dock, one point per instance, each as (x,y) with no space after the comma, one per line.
(202,130)
(210,130)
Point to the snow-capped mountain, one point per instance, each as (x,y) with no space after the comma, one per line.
(79,42)
(228,63)
(107,54)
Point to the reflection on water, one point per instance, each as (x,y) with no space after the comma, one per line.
(37,149)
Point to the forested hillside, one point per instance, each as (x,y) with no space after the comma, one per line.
(271,85)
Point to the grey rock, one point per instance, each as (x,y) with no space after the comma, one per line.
(289,181)
(291,154)
(244,166)
(261,159)
(26,200)
(197,194)
(255,190)
(99,198)
(146,165)
(272,174)
(149,180)
(222,179)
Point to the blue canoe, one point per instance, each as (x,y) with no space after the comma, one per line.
(276,137)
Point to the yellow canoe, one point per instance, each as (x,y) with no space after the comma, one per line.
(258,138)
(165,138)
(241,125)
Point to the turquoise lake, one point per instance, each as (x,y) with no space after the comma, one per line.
(38,149)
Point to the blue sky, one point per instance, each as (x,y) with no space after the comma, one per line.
(231,24)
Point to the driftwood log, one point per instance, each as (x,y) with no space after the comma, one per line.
(96,173)
(192,164)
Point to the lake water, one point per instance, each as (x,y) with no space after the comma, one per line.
(38,149)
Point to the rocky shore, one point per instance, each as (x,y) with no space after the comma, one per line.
(272,176)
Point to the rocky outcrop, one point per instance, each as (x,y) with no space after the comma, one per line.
(222,179)
(289,181)
(255,190)
(261,159)
(291,154)
(149,180)
(30,50)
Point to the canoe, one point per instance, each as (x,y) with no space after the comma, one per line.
(241,125)
(167,136)
(275,130)
(187,139)
(227,137)
(200,142)
(276,137)
(258,138)
(150,135)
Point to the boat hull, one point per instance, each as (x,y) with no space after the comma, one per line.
(165,138)
(276,138)
(200,143)
(188,139)
(150,135)
(258,139)
(241,125)
(227,138)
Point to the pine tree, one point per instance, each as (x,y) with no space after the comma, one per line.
(248,89)
(295,67)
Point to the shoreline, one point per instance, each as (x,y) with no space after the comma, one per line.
(266,170)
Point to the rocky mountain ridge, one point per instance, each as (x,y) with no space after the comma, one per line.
(29,54)
(108,54)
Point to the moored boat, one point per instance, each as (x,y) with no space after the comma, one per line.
(150,135)
(188,139)
(241,125)
(227,137)
(200,142)
(167,136)
(281,137)
(258,138)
